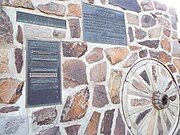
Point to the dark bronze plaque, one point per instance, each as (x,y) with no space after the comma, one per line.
(40,20)
(43,73)
(102,25)
(127,4)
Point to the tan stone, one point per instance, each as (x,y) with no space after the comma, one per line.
(114,85)
(155,32)
(164,57)
(19,3)
(132,19)
(95,55)
(10,90)
(4,68)
(117,54)
(165,44)
(74,10)
(134,48)
(176,62)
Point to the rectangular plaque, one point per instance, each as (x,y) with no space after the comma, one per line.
(102,25)
(43,73)
(40,20)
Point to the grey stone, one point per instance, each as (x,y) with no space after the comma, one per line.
(147,21)
(150,43)
(51,131)
(120,126)
(75,28)
(18,59)
(130,61)
(155,32)
(130,33)
(95,55)
(9,109)
(147,6)
(132,19)
(72,130)
(140,34)
(160,6)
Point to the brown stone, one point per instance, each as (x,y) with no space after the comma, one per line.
(98,72)
(166,32)
(155,32)
(107,122)
(114,85)
(99,96)
(74,73)
(130,61)
(140,34)
(4,61)
(75,28)
(147,6)
(74,10)
(92,127)
(91,1)
(18,59)
(52,8)
(147,21)
(44,116)
(120,126)
(10,90)
(20,35)
(75,106)
(176,62)
(131,35)
(59,34)
(6,29)
(150,43)
(9,109)
(116,54)
(165,44)
(95,55)
(163,21)
(19,3)
(74,49)
(72,130)
(132,19)
(160,6)
(50,131)
(134,47)
(164,57)
(143,53)
(172,68)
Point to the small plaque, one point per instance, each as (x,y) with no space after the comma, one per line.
(102,25)
(40,20)
(43,74)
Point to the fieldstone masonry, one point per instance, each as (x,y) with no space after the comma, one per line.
(92,74)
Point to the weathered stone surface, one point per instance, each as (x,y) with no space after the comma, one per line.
(176,62)
(165,44)
(147,6)
(116,54)
(19,3)
(120,126)
(44,116)
(160,6)
(174,35)
(155,32)
(74,49)
(175,49)
(52,8)
(4,68)
(75,28)
(134,47)
(130,33)
(143,53)
(147,21)
(172,11)
(74,73)
(107,122)
(14,125)
(76,106)
(130,61)
(91,1)
(132,19)
(153,54)
(99,96)
(95,55)
(164,57)
(74,10)
(103,2)
(172,68)
(163,21)
(114,85)
(150,43)
(9,109)
(59,34)
(6,29)
(174,22)
(10,90)
(166,32)
(20,35)
(92,127)
(18,59)
(140,34)
(51,131)
(72,130)
(98,72)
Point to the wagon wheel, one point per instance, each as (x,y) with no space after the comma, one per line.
(150,99)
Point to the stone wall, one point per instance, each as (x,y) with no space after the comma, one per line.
(92,74)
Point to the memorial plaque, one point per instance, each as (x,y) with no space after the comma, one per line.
(43,73)
(131,5)
(40,20)
(102,25)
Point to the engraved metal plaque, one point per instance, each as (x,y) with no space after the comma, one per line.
(40,20)
(102,25)
(43,74)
